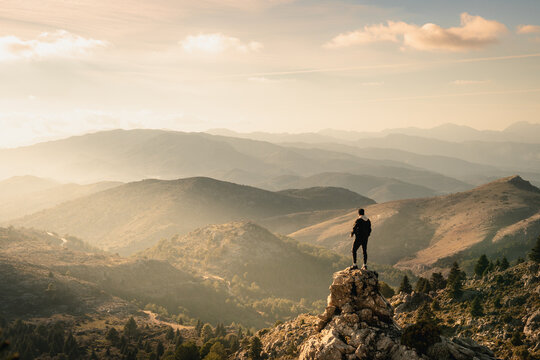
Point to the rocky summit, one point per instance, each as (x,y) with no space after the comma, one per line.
(357,324)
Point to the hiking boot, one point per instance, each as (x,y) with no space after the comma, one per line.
(364,267)
(354,267)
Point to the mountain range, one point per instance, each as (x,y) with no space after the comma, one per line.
(130,155)
(23,195)
(136,215)
(521,131)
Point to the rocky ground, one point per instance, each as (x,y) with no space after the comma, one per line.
(510,319)
(358,323)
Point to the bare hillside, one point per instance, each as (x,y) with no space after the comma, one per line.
(415,234)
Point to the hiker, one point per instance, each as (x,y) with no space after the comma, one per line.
(361,231)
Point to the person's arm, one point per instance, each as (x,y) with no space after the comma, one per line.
(355,227)
(368,227)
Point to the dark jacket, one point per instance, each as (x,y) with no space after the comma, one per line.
(362,227)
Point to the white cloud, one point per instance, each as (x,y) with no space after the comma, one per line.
(475,32)
(528,29)
(468,82)
(217,43)
(58,44)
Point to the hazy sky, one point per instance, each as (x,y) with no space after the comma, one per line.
(71,66)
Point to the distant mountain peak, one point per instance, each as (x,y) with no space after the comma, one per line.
(517,181)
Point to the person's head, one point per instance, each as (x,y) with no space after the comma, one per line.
(360,212)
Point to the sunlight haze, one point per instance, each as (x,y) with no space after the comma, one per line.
(70,67)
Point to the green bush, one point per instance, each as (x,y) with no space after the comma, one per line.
(405,286)
(187,351)
(421,336)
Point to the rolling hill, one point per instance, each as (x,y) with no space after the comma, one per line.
(380,189)
(136,215)
(252,254)
(85,282)
(271,272)
(23,195)
(416,234)
(517,156)
(131,155)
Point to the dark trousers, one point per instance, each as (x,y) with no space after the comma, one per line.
(360,241)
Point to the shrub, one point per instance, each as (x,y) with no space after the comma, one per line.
(187,351)
(405,285)
(534,255)
(437,281)
(421,336)
(476,307)
(516,339)
(481,265)
(255,348)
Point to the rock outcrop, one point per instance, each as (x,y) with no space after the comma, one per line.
(357,324)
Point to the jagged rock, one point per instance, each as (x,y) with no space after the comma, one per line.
(357,324)
(411,302)
(284,341)
(532,327)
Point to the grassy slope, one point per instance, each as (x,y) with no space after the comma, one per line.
(417,233)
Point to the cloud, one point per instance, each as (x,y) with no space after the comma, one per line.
(528,29)
(217,43)
(58,44)
(475,32)
(468,82)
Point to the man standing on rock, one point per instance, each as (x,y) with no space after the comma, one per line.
(361,231)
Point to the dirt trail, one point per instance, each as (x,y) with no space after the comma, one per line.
(152,317)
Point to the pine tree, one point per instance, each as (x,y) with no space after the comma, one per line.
(160,349)
(489,268)
(455,273)
(199,327)
(456,288)
(437,281)
(255,348)
(504,263)
(187,351)
(422,285)
(130,329)
(170,333)
(220,330)
(112,336)
(405,286)
(476,307)
(534,255)
(481,265)
(71,348)
(207,332)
